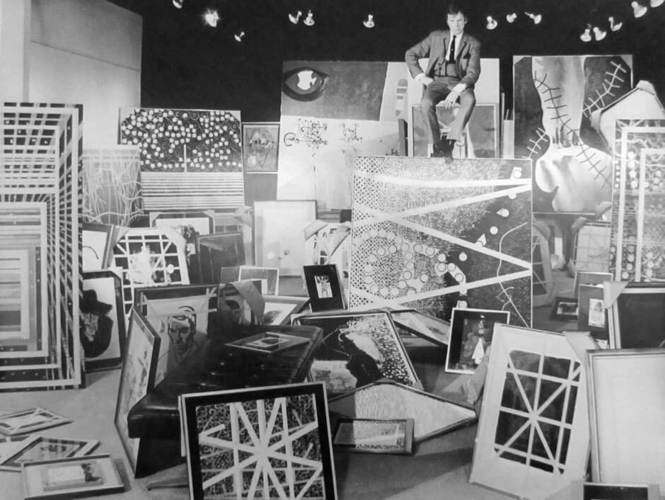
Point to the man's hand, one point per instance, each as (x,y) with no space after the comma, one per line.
(424,79)
(451,98)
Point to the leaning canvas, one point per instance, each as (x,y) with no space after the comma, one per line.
(426,231)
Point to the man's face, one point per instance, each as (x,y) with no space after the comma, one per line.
(456,23)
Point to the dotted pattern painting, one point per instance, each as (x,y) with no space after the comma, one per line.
(638,201)
(426,231)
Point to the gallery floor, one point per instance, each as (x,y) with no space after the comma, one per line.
(439,467)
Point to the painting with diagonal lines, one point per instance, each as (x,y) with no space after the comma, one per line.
(426,231)
(554,97)
(259,443)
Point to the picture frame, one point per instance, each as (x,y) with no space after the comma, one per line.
(471,332)
(598,491)
(324,287)
(267,342)
(269,277)
(260,146)
(102,320)
(279,238)
(361,435)
(636,314)
(622,383)
(590,278)
(217,251)
(592,312)
(206,414)
(30,420)
(540,374)
(96,246)
(431,328)
(71,478)
(137,377)
(564,309)
(358,348)
(38,448)
(279,309)
(182,316)
(432,415)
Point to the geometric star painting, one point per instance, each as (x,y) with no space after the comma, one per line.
(259,443)
(426,231)
(533,432)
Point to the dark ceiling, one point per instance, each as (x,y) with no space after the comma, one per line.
(189,65)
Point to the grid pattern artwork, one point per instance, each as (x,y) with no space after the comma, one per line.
(638,200)
(40,202)
(426,231)
(111,187)
(190,159)
(149,257)
(553,101)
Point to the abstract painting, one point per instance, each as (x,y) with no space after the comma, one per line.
(190,159)
(638,199)
(40,245)
(358,349)
(259,443)
(426,231)
(533,433)
(554,97)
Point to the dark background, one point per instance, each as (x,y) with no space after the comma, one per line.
(189,65)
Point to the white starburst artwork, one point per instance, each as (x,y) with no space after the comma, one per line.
(273,447)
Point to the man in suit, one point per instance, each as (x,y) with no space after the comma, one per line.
(452,71)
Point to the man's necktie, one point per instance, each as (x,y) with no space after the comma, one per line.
(451,54)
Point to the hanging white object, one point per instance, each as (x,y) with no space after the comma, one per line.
(369,22)
(211,18)
(491,23)
(639,9)
(295,18)
(614,26)
(599,34)
(177,3)
(511,17)
(309,20)
(239,37)
(586,36)
(536,18)
(656,3)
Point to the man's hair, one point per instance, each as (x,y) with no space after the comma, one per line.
(454,9)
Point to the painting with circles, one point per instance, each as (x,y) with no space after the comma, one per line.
(427,232)
(637,252)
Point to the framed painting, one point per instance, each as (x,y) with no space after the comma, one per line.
(260,144)
(223,435)
(102,320)
(358,348)
(31,420)
(137,377)
(36,448)
(218,251)
(324,287)
(269,277)
(636,314)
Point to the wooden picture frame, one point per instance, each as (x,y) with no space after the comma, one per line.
(102,311)
(136,380)
(324,288)
(31,420)
(206,414)
(471,332)
(71,478)
(362,435)
(260,147)
(625,393)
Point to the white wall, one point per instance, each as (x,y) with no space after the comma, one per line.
(86,52)
(14,41)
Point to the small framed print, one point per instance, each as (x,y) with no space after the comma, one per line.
(564,309)
(324,287)
(471,333)
(278,310)
(71,478)
(37,448)
(102,322)
(592,312)
(32,420)
(374,436)
(267,342)
(269,277)
(260,142)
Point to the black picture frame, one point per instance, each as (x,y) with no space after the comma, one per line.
(139,365)
(307,398)
(324,287)
(364,435)
(564,309)
(637,316)
(598,491)
(468,328)
(217,251)
(107,286)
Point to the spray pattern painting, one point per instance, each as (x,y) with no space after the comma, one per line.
(554,99)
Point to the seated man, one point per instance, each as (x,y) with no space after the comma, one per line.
(452,70)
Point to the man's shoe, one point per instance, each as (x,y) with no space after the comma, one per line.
(441,149)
